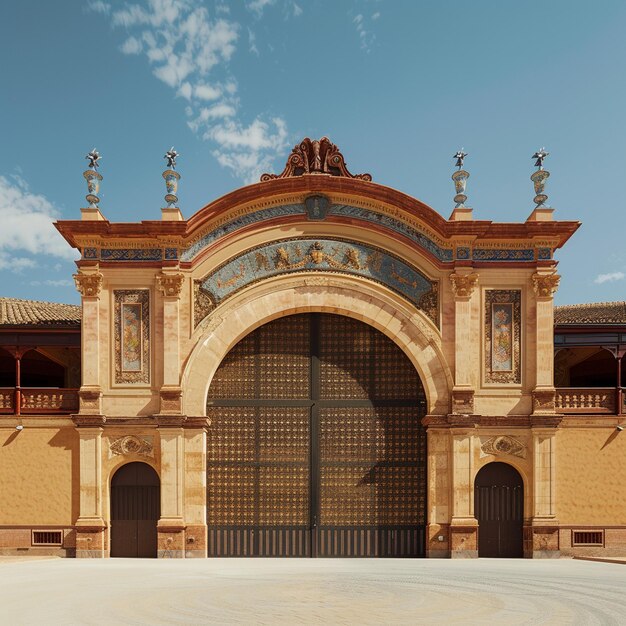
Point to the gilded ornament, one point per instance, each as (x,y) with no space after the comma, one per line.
(463,285)
(89,285)
(170,284)
(545,285)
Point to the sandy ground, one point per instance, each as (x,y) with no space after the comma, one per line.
(311,591)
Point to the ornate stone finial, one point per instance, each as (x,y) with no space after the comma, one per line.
(463,285)
(93,157)
(545,285)
(171,177)
(460,157)
(88,285)
(539,178)
(460,179)
(93,179)
(315,157)
(170,284)
(171,155)
(540,155)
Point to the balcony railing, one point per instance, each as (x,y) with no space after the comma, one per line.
(38,401)
(588,400)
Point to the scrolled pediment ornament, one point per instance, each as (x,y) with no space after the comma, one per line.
(503,444)
(313,156)
(131,444)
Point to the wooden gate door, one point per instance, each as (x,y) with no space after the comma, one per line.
(135,510)
(499,508)
(316,446)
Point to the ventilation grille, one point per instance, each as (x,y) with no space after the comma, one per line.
(47,537)
(588,538)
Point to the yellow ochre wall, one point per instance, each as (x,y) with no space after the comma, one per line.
(39,480)
(591,476)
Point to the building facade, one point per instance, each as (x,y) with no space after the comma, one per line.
(317,365)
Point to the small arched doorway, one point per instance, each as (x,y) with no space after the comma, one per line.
(135,510)
(499,509)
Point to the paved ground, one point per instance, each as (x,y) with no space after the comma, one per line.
(301,591)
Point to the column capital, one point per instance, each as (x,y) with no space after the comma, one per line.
(170,285)
(89,285)
(463,285)
(545,285)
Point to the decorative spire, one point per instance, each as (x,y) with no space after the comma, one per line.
(171,155)
(93,157)
(539,178)
(540,155)
(460,179)
(171,177)
(93,179)
(315,157)
(460,157)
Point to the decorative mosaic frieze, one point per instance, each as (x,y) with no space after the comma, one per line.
(495,254)
(90,253)
(503,336)
(132,254)
(319,255)
(132,336)
(544,254)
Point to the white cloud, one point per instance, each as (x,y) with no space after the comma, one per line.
(132,46)
(297,10)
(97,6)
(26,220)
(258,5)
(186,47)
(609,278)
(375,16)
(366,36)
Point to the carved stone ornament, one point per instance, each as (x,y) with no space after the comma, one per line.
(88,285)
(131,444)
(545,285)
(170,284)
(544,400)
(171,400)
(463,401)
(504,444)
(463,285)
(315,157)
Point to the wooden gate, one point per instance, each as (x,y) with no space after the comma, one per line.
(135,510)
(499,508)
(316,446)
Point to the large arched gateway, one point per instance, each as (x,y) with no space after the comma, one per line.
(362,356)
(316,446)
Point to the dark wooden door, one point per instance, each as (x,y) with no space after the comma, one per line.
(499,508)
(135,510)
(316,446)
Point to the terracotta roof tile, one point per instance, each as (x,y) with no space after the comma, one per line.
(14,312)
(591,313)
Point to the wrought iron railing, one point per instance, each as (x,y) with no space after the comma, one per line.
(37,401)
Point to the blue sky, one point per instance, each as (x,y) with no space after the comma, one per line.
(399,85)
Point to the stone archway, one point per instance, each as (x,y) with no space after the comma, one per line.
(353,297)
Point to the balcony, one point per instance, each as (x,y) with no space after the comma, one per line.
(38,401)
(590,400)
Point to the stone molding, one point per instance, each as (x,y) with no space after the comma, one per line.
(89,420)
(170,285)
(545,285)
(462,401)
(544,400)
(88,285)
(463,285)
(171,400)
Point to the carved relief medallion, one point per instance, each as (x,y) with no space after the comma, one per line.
(503,444)
(131,444)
